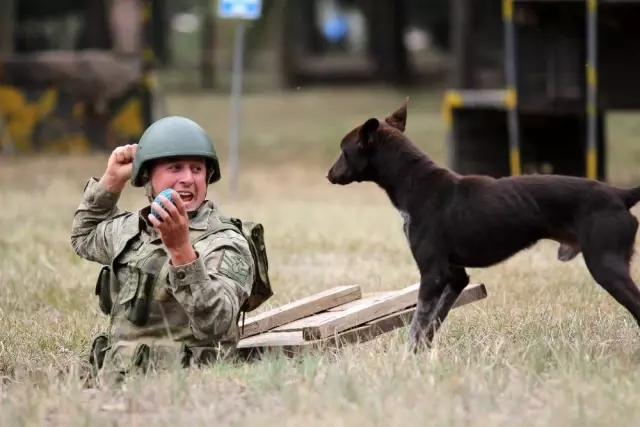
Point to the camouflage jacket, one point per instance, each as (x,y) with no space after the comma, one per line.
(186,308)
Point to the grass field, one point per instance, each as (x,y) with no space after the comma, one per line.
(548,347)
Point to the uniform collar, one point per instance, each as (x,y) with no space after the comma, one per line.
(199,220)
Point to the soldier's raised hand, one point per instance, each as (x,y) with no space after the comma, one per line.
(119,167)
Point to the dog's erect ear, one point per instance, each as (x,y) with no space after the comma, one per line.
(398,119)
(367,131)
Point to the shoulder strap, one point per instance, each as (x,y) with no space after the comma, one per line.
(223,223)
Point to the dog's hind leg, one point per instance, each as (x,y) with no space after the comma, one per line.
(607,249)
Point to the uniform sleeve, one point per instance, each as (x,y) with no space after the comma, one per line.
(212,288)
(93,230)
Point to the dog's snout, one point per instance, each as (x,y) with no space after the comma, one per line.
(330,175)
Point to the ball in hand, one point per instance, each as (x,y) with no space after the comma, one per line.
(166,193)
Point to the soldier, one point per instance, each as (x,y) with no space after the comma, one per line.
(173,285)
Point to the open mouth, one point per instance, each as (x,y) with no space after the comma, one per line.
(185,196)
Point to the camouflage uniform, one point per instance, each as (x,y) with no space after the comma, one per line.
(161,313)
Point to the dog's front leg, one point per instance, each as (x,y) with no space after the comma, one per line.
(432,284)
(458,280)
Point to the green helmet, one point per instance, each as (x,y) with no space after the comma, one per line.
(174,136)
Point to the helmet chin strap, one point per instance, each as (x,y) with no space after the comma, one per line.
(148,191)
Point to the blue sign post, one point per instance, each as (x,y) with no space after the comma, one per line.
(240,11)
(335,27)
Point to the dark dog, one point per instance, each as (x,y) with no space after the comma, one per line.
(454,221)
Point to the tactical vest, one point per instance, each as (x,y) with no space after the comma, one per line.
(147,323)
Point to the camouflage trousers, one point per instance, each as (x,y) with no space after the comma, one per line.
(112,362)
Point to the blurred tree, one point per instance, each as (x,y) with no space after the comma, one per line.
(35,9)
(7,13)
(180,6)
(434,16)
(258,32)
(207,46)
(160,32)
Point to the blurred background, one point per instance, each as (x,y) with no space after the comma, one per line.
(496,87)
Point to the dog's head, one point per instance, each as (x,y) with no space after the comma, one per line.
(359,146)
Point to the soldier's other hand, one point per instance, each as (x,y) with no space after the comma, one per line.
(119,167)
(120,162)
(174,226)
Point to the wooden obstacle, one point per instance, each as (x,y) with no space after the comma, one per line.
(337,316)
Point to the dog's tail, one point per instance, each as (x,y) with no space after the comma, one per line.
(630,196)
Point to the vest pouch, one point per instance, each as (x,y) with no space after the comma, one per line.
(125,358)
(103,290)
(140,357)
(138,310)
(130,289)
(99,346)
(261,287)
(202,356)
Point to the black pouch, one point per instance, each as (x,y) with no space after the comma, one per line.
(138,311)
(203,356)
(140,359)
(103,290)
(139,363)
(99,348)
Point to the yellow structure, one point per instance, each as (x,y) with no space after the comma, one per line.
(55,118)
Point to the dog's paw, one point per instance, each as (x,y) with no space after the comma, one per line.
(417,347)
(418,340)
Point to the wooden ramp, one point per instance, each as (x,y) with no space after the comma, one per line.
(337,316)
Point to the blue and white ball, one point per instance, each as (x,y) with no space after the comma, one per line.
(166,193)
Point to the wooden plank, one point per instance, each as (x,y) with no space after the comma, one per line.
(288,344)
(318,318)
(365,300)
(355,316)
(294,338)
(399,319)
(472,293)
(293,341)
(374,328)
(300,324)
(299,309)
(274,339)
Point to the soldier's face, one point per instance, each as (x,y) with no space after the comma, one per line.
(187,176)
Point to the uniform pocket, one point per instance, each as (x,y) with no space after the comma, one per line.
(140,305)
(130,285)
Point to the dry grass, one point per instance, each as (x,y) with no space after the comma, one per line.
(547,348)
